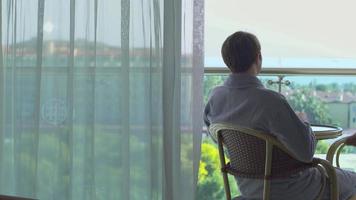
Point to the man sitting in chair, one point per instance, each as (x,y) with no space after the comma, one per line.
(244,101)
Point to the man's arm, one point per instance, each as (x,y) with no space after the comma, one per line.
(207,121)
(294,134)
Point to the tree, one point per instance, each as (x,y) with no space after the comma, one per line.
(349,87)
(210,181)
(321,87)
(302,100)
(210,184)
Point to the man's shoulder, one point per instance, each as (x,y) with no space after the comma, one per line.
(260,91)
(219,91)
(270,94)
(271,99)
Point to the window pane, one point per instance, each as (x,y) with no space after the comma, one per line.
(327,100)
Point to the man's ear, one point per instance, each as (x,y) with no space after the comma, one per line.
(259,57)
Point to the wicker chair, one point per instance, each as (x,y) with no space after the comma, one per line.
(258,155)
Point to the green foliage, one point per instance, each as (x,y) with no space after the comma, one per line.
(348,150)
(302,100)
(333,87)
(210,181)
(349,87)
(322,147)
(321,87)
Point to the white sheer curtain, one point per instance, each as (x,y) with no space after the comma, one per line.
(100,99)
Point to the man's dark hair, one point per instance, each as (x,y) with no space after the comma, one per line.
(240,51)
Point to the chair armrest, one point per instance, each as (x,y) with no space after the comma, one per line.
(337,146)
(331,174)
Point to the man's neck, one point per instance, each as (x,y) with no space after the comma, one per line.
(253,70)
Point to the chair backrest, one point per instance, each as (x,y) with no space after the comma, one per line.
(247,154)
(254,154)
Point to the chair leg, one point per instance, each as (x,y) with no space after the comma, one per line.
(227,186)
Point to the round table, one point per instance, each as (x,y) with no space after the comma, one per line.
(323,132)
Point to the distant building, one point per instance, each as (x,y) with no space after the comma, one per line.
(342,107)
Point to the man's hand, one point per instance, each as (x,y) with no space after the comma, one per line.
(351,140)
(302,116)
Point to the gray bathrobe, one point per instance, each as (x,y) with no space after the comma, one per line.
(243,100)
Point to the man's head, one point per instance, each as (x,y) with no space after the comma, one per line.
(241,52)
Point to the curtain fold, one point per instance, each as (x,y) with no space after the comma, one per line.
(100,99)
(171,83)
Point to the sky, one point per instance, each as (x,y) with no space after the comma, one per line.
(317,33)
